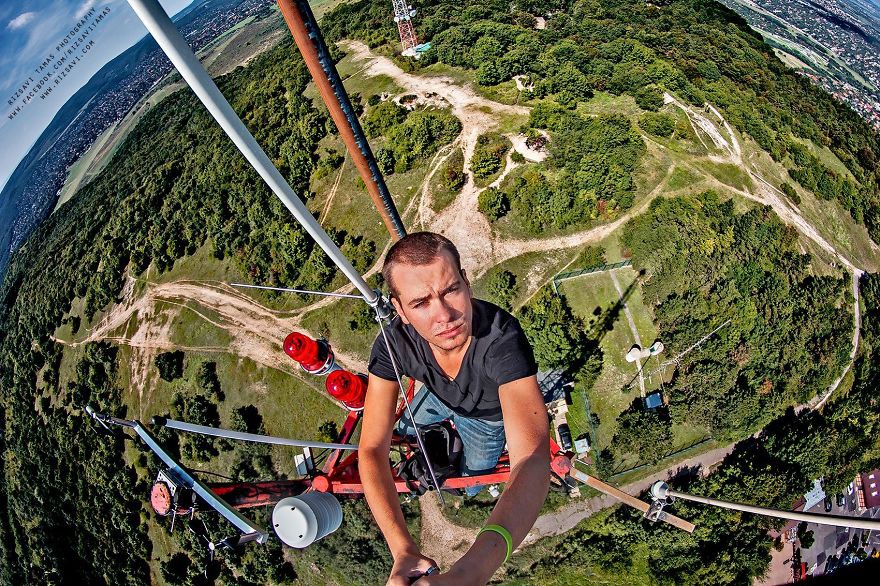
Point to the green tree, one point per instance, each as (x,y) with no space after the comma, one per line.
(207,381)
(386,161)
(556,334)
(643,432)
(790,192)
(383,117)
(493,203)
(657,124)
(169,365)
(501,288)
(488,155)
(454,176)
(649,98)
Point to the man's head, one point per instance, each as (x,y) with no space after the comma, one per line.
(429,289)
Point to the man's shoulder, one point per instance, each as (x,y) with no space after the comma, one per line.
(493,320)
(402,337)
(508,355)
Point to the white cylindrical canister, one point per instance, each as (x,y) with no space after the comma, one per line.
(301,520)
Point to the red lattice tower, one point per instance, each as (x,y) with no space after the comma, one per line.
(403,14)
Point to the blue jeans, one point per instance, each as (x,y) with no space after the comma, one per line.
(483,440)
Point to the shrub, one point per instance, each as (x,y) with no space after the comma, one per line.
(789,190)
(454,176)
(170,365)
(207,381)
(385,160)
(489,155)
(493,203)
(649,98)
(382,117)
(657,124)
(501,288)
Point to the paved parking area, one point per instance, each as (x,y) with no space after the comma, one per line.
(831,540)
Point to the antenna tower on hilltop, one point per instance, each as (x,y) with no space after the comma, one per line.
(403,14)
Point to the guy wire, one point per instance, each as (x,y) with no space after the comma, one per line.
(412,417)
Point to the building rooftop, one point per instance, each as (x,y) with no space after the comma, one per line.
(653,400)
(871,488)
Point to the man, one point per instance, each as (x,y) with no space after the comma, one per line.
(479,371)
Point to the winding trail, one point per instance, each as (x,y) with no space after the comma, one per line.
(462,221)
(256,332)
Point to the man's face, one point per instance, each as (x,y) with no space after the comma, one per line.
(436,300)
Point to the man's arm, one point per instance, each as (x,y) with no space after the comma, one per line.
(373,449)
(528,443)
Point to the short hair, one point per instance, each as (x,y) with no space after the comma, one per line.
(417,249)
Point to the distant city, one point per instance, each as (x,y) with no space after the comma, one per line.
(37,182)
(836,43)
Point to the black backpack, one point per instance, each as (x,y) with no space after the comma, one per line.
(444,449)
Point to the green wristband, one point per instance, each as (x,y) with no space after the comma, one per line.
(503,533)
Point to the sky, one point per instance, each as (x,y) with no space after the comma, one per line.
(30,32)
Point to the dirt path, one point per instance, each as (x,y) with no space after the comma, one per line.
(818,402)
(333,191)
(255,331)
(511,248)
(462,221)
(697,120)
(767,194)
(442,540)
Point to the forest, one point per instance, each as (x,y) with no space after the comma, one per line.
(590,176)
(789,332)
(698,50)
(71,508)
(773,469)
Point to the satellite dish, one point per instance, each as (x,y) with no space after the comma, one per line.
(300,521)
(634,353)
(656,348)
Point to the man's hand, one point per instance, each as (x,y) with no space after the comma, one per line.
(457,576)
(409,567)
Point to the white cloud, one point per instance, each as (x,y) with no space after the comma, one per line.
(20,21)
(84,8)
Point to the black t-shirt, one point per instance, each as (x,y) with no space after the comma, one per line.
(499,353)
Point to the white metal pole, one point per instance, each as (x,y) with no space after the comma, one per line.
(159,24)
(660,490)
(248,437)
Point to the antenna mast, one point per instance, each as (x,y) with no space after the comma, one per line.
(307,35)
(403,14)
